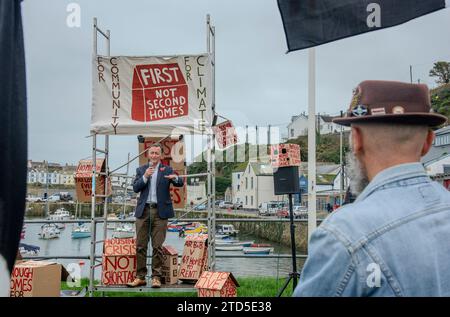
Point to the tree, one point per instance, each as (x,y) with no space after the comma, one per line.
(441,70)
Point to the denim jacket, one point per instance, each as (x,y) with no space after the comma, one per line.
(394,240)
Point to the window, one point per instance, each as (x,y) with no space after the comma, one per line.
(251,199)
(251,184)
(292,132)
(238,186)
(239,176)
(246,183)
(246,200)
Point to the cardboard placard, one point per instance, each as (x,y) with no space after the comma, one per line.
(174,155)
(226,134)
(119,261)
(83,180)
(283,155)
(170,265)
(217,284)
(36,279)
(195,258)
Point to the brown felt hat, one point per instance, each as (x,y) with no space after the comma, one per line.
(391,102)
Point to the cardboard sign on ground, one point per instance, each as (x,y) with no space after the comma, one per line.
(119,261)
(170,265)
(174,155)
(217,284)
(283,155)
(195,258)
(83,180)
(36,279)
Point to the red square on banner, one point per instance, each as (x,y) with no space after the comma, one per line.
(159,92)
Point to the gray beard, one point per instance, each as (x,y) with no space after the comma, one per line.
(357,174)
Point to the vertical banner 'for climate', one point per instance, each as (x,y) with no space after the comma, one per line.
(154,95)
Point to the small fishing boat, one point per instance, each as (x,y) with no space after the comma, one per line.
(124,231)
(230,243)
(49,231)
(28,249)
(81,231)
(60,214)
(111,225)
(200,229)
(252,250)
(229,248)
(260,245)
(226,230)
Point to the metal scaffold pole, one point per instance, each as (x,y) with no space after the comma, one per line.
(210,45)
(94,194)
(93,198)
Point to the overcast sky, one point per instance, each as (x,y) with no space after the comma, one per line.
(256,82)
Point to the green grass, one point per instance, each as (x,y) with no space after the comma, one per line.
(249,287)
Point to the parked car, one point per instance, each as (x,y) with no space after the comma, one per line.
(271,208)
(237,205)
(218,202)
(200,207)
(300,212)
(33,199)
(226,204)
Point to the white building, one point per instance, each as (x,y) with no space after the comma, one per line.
(196,192)
(235,186)
(440,165)
(299,125)
(255,185)
(53,173)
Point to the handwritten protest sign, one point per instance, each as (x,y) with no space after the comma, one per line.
(36,279)
(217,284)
(119,261)
(194,259)
(282,155)
(83,180)
(226,134)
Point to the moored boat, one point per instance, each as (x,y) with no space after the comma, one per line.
(49,231)
(230,243)
(252,250)
(124,231)
(229,248)
(81,231)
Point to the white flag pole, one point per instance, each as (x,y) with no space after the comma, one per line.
(311,141)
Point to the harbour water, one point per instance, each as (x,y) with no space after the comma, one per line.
(66,246)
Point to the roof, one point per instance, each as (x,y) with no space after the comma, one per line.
(169,250)
(435,153)
(443,156)
(443,130)
(322,168)
(215,280)
(262,169)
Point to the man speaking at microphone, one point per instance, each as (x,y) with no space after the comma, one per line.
(153,209)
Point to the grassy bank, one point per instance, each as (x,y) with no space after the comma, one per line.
(249,287)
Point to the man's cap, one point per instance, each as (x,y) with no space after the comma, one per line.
(391,102)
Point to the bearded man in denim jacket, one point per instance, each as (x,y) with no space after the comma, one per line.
(394,240)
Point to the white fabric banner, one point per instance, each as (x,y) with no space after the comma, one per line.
(151,95)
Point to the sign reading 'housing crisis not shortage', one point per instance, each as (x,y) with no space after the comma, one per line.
(154,95)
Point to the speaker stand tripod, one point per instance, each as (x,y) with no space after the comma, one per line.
(293,275)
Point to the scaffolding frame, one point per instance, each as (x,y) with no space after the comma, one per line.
(210,45)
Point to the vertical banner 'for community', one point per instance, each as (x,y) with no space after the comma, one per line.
(309,23)
(151,95)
